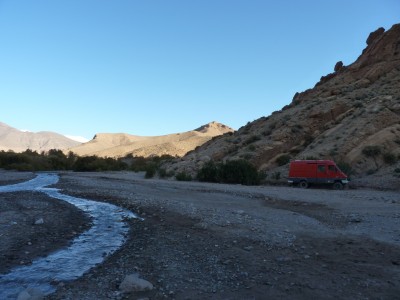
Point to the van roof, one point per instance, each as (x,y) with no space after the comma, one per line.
(310,161)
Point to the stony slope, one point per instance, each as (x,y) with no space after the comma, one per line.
(18,141)
(122,144)
(353,107)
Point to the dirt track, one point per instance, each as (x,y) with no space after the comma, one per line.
(210,241)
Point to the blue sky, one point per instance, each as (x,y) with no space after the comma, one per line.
(151,67)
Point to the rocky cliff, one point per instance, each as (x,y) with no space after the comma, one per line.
(347,114)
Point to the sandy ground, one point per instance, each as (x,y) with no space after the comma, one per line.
(212,241)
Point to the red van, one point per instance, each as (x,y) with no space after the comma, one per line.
(306,172)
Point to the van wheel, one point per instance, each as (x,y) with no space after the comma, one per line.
(303,184)
(337,186)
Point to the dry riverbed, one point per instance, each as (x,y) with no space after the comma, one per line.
(211,241)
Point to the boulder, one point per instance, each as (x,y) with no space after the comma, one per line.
(132,283)
(31,294)
(338,66)
(39,221)
(374,35)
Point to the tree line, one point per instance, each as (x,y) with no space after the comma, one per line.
(239,171)
(57,160)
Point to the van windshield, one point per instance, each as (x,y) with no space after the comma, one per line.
(332,168)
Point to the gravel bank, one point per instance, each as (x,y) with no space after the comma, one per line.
(210,241)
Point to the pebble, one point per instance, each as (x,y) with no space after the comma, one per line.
(39,221)
(283,259)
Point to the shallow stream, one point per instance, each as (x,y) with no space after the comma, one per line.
(106,235)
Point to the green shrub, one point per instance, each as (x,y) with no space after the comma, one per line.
(252,139)
(96,164)
(345,168)
(23,167)
(333,152)
(358,104)
(371,151)
(283,160)
(162,173)
(239,171)
(234,171)
(151,170)
(389,158)
(209,172)
(32,161)
(56,160)
(183,176)
(276,175)
(311,158)
(247,156)
(252,148)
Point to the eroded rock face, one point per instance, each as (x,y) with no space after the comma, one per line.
(356,106)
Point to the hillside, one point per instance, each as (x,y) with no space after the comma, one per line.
(19,141)
(122,144)
(346,113)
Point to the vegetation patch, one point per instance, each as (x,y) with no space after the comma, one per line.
(56,160)
(235,171)
(183,176)
(371,151)
(283,160)
(389,158)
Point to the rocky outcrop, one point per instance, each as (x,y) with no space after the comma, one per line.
(356,106)
(339,66)
(374,35)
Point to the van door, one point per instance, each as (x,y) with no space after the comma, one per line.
(332,171)
(322,173)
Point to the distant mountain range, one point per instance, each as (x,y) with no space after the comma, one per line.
(19,141)
(111,144)
(123,144)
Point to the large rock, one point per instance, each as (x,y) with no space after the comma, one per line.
(133,283)
(338,66)
(374,35)
(31,294)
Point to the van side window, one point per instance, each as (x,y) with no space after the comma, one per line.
(321,168)
(332,168)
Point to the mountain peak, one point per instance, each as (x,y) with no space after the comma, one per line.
(214,126)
